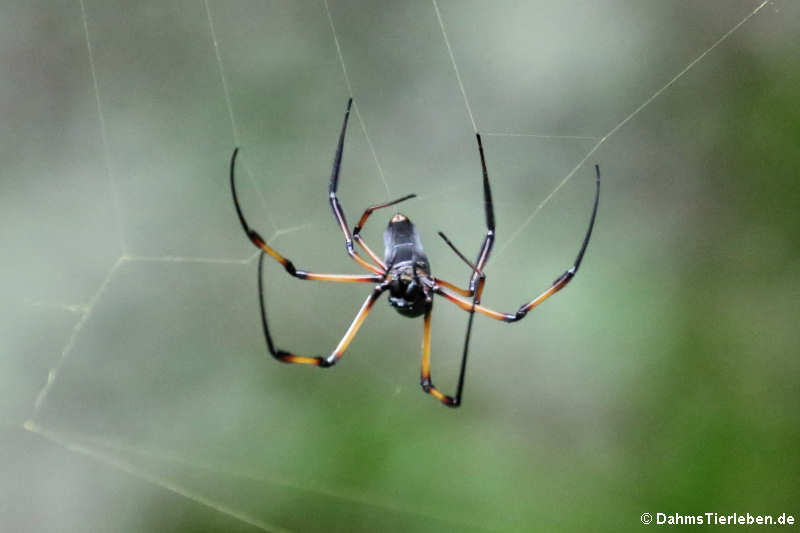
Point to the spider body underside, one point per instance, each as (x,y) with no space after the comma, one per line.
(404,273)
(410,289)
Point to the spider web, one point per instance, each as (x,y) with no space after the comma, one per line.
(182,260)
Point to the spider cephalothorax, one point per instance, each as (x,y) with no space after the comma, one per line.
(408,295)
(404,272)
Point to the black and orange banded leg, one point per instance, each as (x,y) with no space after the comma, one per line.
(488,239)
(367,212)
(488,205)
(453,287)
(260,243)
(425,371)
(475,290)
(288,357)
(557,285)
(334,200)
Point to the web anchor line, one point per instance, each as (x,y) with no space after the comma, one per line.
(84,311)
(602,139)
(622,123)
(455,67)
(153,478)
(543,136)
(229,104)
(355,103)
(103,132)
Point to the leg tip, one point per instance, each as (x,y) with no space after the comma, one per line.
(324,363)
(451,402)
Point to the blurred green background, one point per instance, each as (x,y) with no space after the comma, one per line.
(137,394)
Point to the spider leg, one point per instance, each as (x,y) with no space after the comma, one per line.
(464,292)
(557,285)
(477,277)
(425,377)
(488,240)
(425,371)
(290,268)
(454,288)
(336,207)
(367,212)
(333,358)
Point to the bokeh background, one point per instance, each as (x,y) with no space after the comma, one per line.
(137,394)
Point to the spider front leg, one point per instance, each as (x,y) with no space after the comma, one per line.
(334,200)
(333,358)
(477,278)
(488,205)
(260,243)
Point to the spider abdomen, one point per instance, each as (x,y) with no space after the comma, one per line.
(402,243)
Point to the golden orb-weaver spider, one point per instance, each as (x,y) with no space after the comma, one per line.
(404,272)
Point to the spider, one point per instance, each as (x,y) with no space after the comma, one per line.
(404,272)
